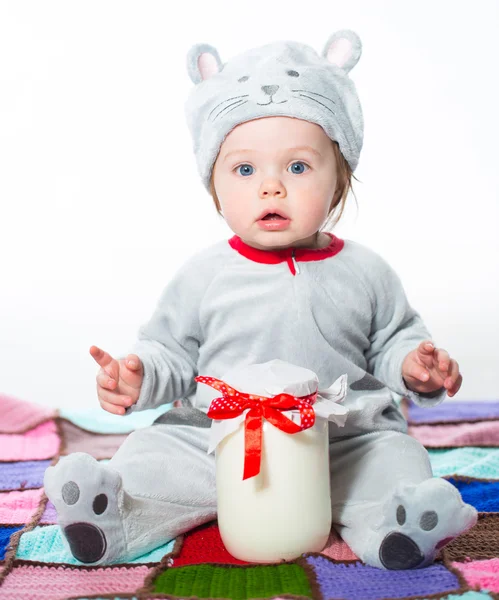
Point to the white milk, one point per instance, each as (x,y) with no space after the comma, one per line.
(283,511)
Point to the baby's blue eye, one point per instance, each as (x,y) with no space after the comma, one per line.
(298,163)
(246,167)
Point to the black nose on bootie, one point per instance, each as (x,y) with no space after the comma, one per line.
(87,542)
(397,551)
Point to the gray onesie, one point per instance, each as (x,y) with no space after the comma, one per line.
(334,310)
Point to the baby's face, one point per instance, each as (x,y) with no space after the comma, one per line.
(258,170)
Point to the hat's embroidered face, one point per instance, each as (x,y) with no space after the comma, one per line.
(275,179)
(275,93)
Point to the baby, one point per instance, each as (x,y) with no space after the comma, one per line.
(277,135)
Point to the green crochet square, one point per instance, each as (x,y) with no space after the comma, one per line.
(237,583)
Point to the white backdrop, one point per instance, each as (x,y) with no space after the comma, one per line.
(101,201)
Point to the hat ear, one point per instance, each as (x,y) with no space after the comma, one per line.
(343,49)
(203,61)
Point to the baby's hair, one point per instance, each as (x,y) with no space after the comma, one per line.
(343,187)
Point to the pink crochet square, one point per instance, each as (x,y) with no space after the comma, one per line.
(337,549)
(482,433)
(19,415)
(17,508)
(38,443)
(56,583)
(481,573)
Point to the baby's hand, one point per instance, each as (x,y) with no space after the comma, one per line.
(434,367)
(118,382)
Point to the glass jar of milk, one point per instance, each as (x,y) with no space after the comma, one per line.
(285,509)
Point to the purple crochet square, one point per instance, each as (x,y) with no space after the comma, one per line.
(49,515)
(23,475)
(453,411)
(356,581)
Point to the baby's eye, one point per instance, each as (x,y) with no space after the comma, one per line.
(246,167)
(299,163)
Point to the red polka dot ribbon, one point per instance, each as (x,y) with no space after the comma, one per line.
(233,403)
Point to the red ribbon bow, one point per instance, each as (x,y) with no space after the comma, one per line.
(233,403)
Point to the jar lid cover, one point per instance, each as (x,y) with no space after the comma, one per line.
(271,378)
(277,377)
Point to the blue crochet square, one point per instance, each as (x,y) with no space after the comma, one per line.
(5,534)
(483,495)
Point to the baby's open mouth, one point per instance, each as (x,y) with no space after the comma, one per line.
(272,216)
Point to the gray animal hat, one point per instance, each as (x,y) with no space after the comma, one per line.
(283,78)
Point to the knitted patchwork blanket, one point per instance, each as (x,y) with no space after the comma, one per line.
(462,439)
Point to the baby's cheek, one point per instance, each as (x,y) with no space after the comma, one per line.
(238,217)
(313,213)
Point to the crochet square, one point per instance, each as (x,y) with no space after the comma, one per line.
(234,582)
(481,573)
(5,535)
(19,507)
(479,463)
(479,542)
(452,412)
(338,549)
(483,495)
(22,475)
(49,516)
(36,444)
(481,433)
(35,582)
(203,545)
(357,581)
(97,445)
(19,415)
(101,421)
(45,544)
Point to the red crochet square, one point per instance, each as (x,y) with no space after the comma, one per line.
(204,545)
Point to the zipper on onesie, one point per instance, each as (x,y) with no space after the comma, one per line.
(295,263)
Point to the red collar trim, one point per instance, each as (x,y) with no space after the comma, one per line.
(273,257)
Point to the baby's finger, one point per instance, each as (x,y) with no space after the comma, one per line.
(452,374)
(426,350)
(105,381)
(133,362)
(112,408)
(106,361)
(442,360)
(417,371)
(133,371)
(426,347)
(455,388)
(114,398)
